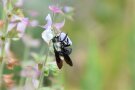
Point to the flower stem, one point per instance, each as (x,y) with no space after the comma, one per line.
(2,63)
(25,57)
(42,71)
(42,50)
(26,53)
(3,38)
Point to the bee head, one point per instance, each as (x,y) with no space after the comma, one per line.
(55,39)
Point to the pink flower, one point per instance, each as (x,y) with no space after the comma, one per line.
(30,71)
(19,24)
(58,26)
(30,42)
(33,13)
(55,9)
(34,23)
(68,9)
(19,3)
(49,22)
(47,35)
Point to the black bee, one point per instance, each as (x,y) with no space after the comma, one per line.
(61,47)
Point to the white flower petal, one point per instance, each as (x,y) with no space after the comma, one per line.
(47,35)
(49,21)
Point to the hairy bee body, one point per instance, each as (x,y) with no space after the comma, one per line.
(61,45)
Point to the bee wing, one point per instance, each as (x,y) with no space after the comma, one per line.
(67,59)
(68,51)
(58,60)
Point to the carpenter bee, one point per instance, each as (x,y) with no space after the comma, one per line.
(61,45)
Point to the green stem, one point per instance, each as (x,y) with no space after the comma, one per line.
(42,71)
(25,57)
(42,50)
(3,62)
(26,53)
(3,38)
(27,81)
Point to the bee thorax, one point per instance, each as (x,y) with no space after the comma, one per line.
(57,46)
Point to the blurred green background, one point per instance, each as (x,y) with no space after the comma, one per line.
(103,36)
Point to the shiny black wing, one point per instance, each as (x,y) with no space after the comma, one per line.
(58,60)
(67,59)
(67,50)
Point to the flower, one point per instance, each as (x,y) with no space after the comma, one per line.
(68,9)
(49,22)
(11,63)
(68,12)
(55,9)
(19,3)
(34,23)
(33,13)
(35,83)
(33,73)
(58,26)
(19,24)
(9,82)
(22,25)
(30,71)
(47,35)
(29,41)
(1,23)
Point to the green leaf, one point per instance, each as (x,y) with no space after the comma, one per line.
(46,71)
(55,72)
(54,69)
